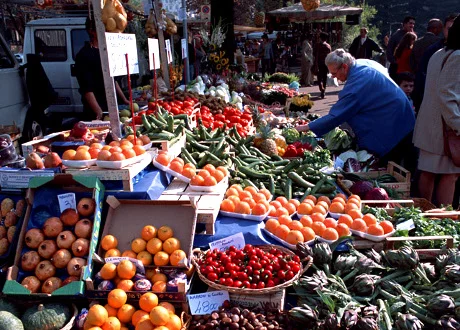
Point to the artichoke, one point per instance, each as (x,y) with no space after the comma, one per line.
(344,264)
(441,305)
(452,272)
(408,322)
(441,262)
(349,319)
(404,258)
(364,284)
(303,250)
(330,322)
(322,254)
(366,323)
(304,315)
(371,311)
(447,323)
(429,270)
(374,255)
(453,257)
(311,284)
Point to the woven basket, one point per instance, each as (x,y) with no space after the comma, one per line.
(186,319)
(310,5)
(198,254)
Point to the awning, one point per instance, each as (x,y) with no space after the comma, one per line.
(242,28)
(323,12)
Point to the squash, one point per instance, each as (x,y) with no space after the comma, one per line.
(7,306)
(8,321)
(46,317)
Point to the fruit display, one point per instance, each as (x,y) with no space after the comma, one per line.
(56,250)
(114,16)
(248,200)
(12,213)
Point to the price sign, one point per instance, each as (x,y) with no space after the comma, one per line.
(406,225)
(119,44)
(184,47)
(168,50)
(206,303)
(154,50)
(223,244)
(67,201)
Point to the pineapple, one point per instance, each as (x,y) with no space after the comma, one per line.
(268,145)
(257,117)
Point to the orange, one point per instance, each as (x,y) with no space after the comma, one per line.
(176,257)
(359,225)
(125,313)
(342,230)
(312,198)
(178,159)
(304,208)
(138,245)
(165,232)
(271,225)
(145,257)
(266,192)
(330,223)
(244,194)
(370,219)
(190,165)
(232,192)
(319,209)
(129,153)
(324,199)
(159,286)
(170,245)
(144,138)
(355,202)
(227,205)
(291,208)
(112,253)
(117,156)
(375,230)
(145,325)
(109,242)
(350,206)
(222,169)
(209,181)
(126,270)
(276,204)
(104,155)
(117,298)
(170,307)
(188,172)
(259,197)
(108,271)
(243,208)
(281,211)
(161,259)
(309,201)
(308,234)
(218,175)
(82,155)
(330,234)
(306,221)
(282,231)
(294,237)
(114,143)
(387,226)
(176,166)
(210,168)
(317,217)
(159,316)
(294,201)
(94,152)
(163,159)
(204,173)
(337,207)
(148,232)
(138,316)
(295,225)
(318,228)
(237,186)
(354,197)
(250,201)
(283,201)
(197,180)
(96,145)
(346,219)
(115,149)
(97,315)
(174,322)
(272,211)
(89,326)
(284,220)
(139,150)
(125,285)
(259,209)
(159,277)
(339,200)
(106,147)
(354,213)
(148,301)
(251,190)
(154,245)
(341,196)
(110,310)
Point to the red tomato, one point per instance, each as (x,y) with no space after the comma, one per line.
(175,110)
(188,104)
(244,122)
(166,106)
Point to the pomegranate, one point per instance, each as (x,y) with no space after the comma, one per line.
(44,270)
(51,284)
(10,233)
(80,247)
(34,237)
(79,129)
(65,239)
(70,279)
(4,245)
(11,219)
(3,232)
(30,260)
(52,227)
(86,206)
(61,258)
(20,206)
(47,249)
(84,228)
(31,283)
(69,217)
(75,266)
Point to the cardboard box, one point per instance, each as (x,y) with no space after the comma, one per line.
(18,178)
(42,198)
(46,141)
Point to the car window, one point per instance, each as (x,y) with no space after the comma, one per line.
(79,37)
(50,45)
(6,61)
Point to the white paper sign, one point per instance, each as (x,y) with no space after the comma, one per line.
(154,50)
(118,45)
(406,225)
(183,44)
(67,201)
(168,50)
(223,244)
(206,303)
(20,179)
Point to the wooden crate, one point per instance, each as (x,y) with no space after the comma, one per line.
(207,205)
(172,148)
(424,254)
(125,174)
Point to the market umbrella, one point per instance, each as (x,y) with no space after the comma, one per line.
(325,11)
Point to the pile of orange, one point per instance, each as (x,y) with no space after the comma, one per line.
(117,314)
(247,200)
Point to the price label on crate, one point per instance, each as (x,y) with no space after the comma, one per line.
(67,201)
(206,303)
(406,225)
(223,244)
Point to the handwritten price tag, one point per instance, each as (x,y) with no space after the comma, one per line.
(223,244)
(183,44)
(154,50)
(206,303)
(67,201)
(406,225)
(168,50)
(119,44)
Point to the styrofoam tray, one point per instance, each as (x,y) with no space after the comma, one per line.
(251,217)
(221,185)
(121,163)
(283,242)
(147,146)
(79,163)
(372,238)
(291,215)
(168,170)
(335,215)
(328,241)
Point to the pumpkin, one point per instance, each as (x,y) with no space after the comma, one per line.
(6,306)
(8,321)
(46,317)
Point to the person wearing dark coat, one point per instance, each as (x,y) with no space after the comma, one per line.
(363,46)
(431,36)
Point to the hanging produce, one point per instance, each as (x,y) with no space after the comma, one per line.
(150,26)
(310,5)
(114,16)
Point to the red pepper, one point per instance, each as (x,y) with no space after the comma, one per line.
(300,152)
(291,151)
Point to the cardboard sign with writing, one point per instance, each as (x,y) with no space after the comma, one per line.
(223,244)
(184,47)
(118,45)
(168,50)
(206,303)
(67,201)
(154,51)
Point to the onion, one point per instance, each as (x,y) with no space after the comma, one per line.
(361,188)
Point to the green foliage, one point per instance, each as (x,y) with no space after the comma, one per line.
(283,78)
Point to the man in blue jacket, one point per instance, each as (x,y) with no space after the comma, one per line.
(376,109)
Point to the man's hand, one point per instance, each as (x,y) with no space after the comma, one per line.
(302,128)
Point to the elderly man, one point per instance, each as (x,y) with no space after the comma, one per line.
(433,30)
(376,109)
(363,46)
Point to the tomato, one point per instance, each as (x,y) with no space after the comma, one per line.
(240,255)
(152,105)
(175,110)
(229,281)
(242,276)
(244,122)
(267,274)
(218,124)
(260,285)
(234,119)
(222,281)
(296,268)
(219,116)
(276,280)
(237,284)
(205,109)
(281,275)
(253,285)
(249,270)
(188,110)
(296,258)
(289,275)
(167,106)
(270,283)
(246,116)
(189,104)
(246,284)
(212,276)
(179,103)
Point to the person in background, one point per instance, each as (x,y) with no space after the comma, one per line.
(433,29)
(440,110)
(200,53)
(363,46)
(89,75)
(267,55)
(382,122)
(321,51)
(306,62)
(406,83)
(403,52)
(408,26)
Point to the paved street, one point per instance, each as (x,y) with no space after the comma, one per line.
(322,106)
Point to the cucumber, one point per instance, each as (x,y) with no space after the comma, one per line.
(253,174)
(187,156)
(278,158)
(293,164)
(288,189)
(271,184)
(199,146)
(146,123)
(249,183)
(161,136)
(299,181)
(306,193)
